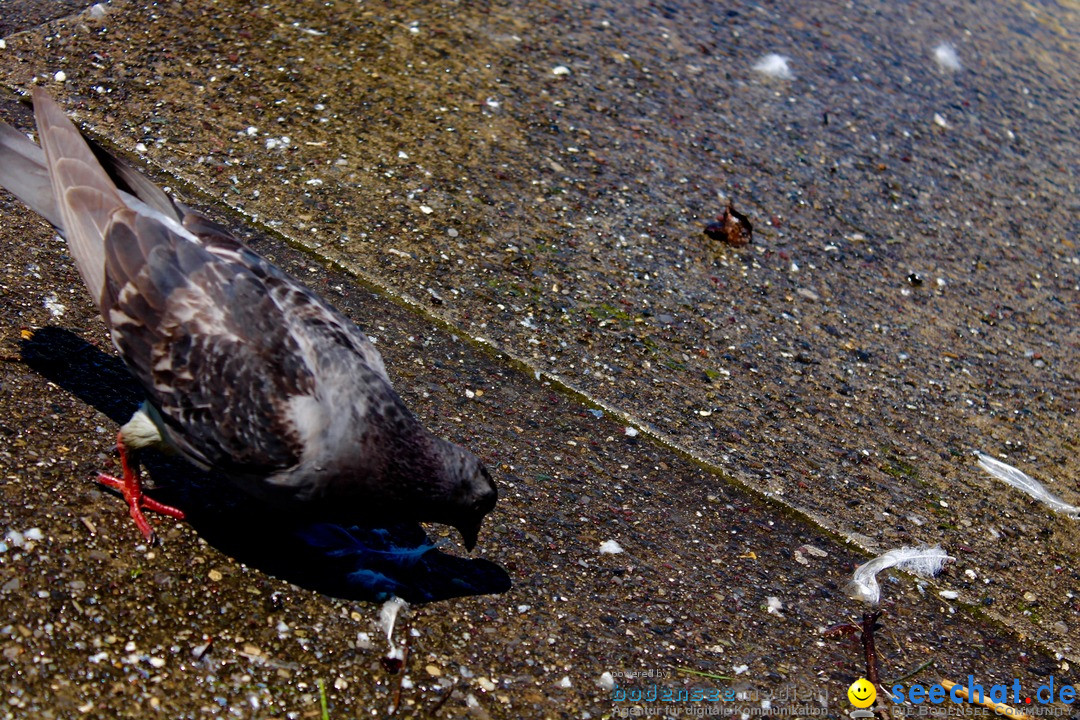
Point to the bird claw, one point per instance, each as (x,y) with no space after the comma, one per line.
(130,487)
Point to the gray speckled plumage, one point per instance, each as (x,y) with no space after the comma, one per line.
(247,372)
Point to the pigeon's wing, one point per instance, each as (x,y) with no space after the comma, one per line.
(330,332)
(209,344)
(223,342)
(226,343)
(199,333)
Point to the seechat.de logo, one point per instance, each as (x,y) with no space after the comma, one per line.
(974,692)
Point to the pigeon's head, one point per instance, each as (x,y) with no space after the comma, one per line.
(471,493)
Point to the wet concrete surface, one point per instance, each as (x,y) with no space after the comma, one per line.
(910,295)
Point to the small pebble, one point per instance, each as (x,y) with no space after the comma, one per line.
(733,228)
(54,306)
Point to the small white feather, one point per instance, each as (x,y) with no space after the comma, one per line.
(610,547)
(923,561)
(774,65)
(946,57)
(388,616)
(1022,481)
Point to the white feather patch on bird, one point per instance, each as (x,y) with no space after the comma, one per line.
(141,431)
(308,417)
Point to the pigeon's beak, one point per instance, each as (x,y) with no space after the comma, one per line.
(469,534)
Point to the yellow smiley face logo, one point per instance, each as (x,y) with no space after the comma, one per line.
(862,693)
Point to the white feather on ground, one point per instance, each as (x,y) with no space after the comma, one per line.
(946,58)
(388,613)
(774,65)
(921,561)
(1022,481)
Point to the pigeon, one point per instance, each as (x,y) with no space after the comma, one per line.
(248,374)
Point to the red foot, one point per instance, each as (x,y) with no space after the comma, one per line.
(131,488)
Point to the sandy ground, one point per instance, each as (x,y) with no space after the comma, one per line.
(511,200)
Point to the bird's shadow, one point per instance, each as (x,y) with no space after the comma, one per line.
(356,562)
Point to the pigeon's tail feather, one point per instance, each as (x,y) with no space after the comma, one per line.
(131,181)
(84,195)
(23,173)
